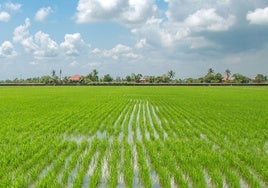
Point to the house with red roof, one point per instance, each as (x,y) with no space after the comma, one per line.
(75,78)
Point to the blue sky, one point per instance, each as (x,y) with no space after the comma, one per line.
(121,37)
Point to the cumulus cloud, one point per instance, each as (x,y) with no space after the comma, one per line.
(117,51)
(258,16)
(21,31)
(122,11)
(73,44)
(141,44)
(40,45)
(4,16)
(46,47)
(7,50)
(42,13)
(13,6)
(120,51)
(74,64)
(208,19)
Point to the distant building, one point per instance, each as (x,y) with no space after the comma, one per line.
(143,80)
(225,79)
(75,78)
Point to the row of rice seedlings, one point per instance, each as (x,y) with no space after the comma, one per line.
(157,164)
(127,168)
(84,164)
(50,179)
(136,128)
(172,120)
(132,124)
(169,162)
(245,172)
(157,119)
(104,114)
(186,155)
(22,175)
(153,174)
(42,167)
(70,125)
(150,121)
(113,167)
(115,116)
(150,132)
(33,156)
(165,119)
(256,168)
(80,125)
(155,122)
(118,127)
(126,125)
(142,123)
(144,170)
(213,164)
(165,112)
(70,167)
(96,177)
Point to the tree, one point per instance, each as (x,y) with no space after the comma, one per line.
(228,73)
(138,77)
(93,76)
(128,78)
(210,71)
(54,76)
(171,74)
(239,78)
(107,78)
(60,75)
(53,73)
(260,78)
(217,78)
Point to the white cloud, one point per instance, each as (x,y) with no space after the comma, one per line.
(74,64)
(141,44)
(40,45)
(157,33)
(13,6)
(96,51)
(138,11)
(33,63)
(208,19)
(7,50)
(258,16)
(42,13)
(120,51)
(121,11)
(4,16)
(73,44)
(46,46)
(21,31)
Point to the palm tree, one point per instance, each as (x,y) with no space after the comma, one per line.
(53,73)
(210,71)
(60,75)
(171,74)
(228,73)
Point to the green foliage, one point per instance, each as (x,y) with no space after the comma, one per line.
(239,78)
(107,78)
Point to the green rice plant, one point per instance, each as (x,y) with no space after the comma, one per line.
(95,179)
(127,168)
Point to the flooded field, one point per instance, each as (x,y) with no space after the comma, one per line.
(133,137)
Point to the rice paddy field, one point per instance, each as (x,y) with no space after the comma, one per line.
(134,136)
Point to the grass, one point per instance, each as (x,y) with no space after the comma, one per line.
(187,136)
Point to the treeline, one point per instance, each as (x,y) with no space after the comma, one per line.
(93,78)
